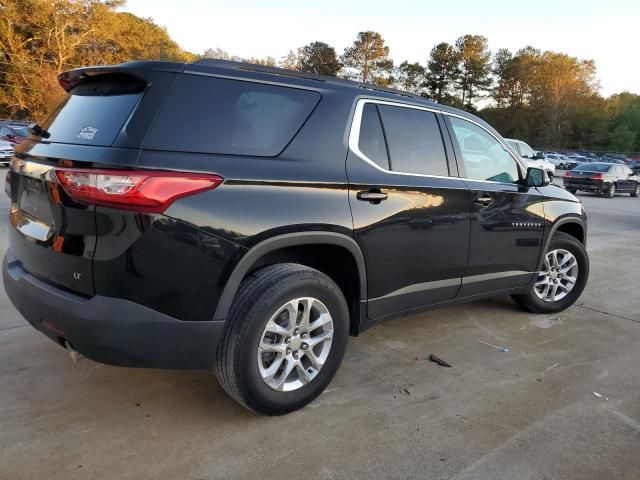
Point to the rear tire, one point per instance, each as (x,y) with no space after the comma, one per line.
(611,192)
(532,301)
(571,190)
(636,192)
(260,337)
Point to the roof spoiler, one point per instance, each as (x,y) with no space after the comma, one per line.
(75,77)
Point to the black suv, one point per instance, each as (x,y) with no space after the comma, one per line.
(250,219)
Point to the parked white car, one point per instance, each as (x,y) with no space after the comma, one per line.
(6,152)
(533,159)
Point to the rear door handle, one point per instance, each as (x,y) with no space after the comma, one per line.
(484,201)
(371,196)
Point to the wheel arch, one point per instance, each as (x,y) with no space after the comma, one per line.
(574,226)
(283,246)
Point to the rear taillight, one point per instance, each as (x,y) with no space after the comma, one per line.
(567,174)
(597,176)
(140,191)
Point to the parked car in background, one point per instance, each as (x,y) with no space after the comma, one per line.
(618,158)
(602,178)
(6,152)
(562,161)
(635,167)
(532,158)
(14,134)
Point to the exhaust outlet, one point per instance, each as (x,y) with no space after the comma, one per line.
(75,356)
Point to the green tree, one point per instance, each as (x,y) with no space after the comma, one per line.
(442,72)
(475,68)
(410,77)
(319,57)
(622,139)
(504,72)
(291,61)
(41,38)
(367,60)
(561,84)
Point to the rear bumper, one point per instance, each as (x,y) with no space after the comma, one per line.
(110,330)
(586,187)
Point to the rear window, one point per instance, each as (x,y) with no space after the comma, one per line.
(21,131)
(593,167)
(214,115)
(94,111)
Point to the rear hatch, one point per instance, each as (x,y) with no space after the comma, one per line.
(584,177)
(101,123)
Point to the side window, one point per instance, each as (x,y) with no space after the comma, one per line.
(4,131)
(216,115)
(483,156)
(526,151)
(414,140)
(371,141)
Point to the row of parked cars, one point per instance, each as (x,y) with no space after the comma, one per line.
(568,161)
(606,175)
(11,134)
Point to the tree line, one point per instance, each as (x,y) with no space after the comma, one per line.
(548,99)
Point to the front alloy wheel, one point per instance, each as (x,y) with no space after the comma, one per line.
(558,276)
(561,279)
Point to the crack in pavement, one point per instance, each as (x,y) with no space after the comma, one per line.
(13,328)
(607,313)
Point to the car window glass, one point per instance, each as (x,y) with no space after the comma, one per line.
(371,141)
(215,115)
(526,151)
(414,139)
(483,156)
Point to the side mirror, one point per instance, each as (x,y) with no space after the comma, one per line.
(538,156)
(536,177)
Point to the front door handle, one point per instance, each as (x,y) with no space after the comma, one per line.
(371,196)
(484,201)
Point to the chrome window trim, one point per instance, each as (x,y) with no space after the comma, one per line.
(354,138)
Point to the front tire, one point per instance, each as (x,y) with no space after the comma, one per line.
(284,339)
(562,279)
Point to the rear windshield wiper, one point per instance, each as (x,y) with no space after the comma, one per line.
(38,131)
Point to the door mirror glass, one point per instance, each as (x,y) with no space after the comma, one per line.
(539,156)
(536,177)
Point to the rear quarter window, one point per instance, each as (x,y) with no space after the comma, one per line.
(214,115)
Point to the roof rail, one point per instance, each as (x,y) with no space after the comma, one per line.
(232,64)
(252,67)
(378,88)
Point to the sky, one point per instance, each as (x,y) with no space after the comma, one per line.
(605,31)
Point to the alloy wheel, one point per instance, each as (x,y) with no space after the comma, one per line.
(558,277)
(295,344)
